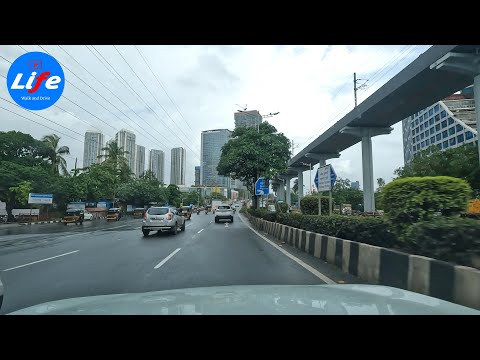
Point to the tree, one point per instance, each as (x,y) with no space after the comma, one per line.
(378,193)
(20,192)
(114,154)
(250,154)
(174,195)
(342,193)
(59,164)
(23,149)
(295,186)
(381,184)
(461,162)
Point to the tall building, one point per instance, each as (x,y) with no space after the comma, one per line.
(197,175)
(92,147)
(139,160)
(126,140)
(211,149)
(157,164)
(446,124)
(355,185)
(178,164)
(251,118)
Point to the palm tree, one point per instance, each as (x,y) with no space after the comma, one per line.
(59,164)
(295,186)
(114,153)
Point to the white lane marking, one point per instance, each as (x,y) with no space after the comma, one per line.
(35,262)
(115,227)
(199,231)
(188,225)
(211,221)
(298,261)
(137,227)
(167,258)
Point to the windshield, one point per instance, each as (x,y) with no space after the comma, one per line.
(206,166)
(157,211)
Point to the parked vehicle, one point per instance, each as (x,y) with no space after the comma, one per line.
(186,212)
(73,216)
(87,215)
(114,214)
(138,213)
(162,219)
(224,212)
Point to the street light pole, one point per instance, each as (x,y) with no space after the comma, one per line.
(310,166)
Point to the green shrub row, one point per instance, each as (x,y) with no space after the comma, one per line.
(309,205)
(369,230)
(451,239)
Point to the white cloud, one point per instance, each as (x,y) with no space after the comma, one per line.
(311,87)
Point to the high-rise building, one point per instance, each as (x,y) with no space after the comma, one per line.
(157,164)
(178,164)
(197,175)
(251,118)
(126,139)
(355,185)
(92,147)
(212,142)
(139,160)
(446,124)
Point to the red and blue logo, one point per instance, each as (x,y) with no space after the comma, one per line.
(35,81)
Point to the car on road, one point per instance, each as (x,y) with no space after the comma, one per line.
(114,214)
(73,216)
(162,219)
(186,212)
(138,213)
(223,212)
(87,215)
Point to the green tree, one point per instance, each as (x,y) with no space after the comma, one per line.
(20,192)
(59,164)
(295,186)
(174,195)
(378,193)
(342,193)
(114,154)
(23,149)
(461,162)
(250,154)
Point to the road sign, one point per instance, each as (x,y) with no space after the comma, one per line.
(262,186)
(40,198)
(327,177)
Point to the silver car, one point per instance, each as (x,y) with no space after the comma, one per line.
(162,219)
(223,212)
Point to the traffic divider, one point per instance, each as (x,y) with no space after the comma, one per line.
(378,265)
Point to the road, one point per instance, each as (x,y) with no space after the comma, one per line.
(40,263)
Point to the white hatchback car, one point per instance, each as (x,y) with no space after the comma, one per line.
(87,215)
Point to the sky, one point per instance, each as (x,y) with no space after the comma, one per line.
(167,95)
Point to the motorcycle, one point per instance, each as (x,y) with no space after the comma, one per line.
(198,212)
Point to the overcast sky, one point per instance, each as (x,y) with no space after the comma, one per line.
(196,88)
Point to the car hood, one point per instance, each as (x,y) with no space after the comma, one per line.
(258,299)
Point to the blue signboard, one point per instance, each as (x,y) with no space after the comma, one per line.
(333,178)
(262,186)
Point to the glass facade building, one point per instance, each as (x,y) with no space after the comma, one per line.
(126,140)
(178,163)
(139,160)
(92,147)
(250,118)
(197,175)
(446,124)
(211,149)
(157,164)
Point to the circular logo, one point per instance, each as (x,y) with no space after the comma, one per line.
(35,81)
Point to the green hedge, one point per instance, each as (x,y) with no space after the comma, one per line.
(369,230)
(309,205)
(413,199)
(282,207)
(450,239)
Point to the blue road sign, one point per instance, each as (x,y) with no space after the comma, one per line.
(262,186)
(333,178)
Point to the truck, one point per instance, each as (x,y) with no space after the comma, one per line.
(215,204)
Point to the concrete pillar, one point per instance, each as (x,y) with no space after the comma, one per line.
(366,134)
(300,185)
(322,157)
(367,167)
(476,94)
(281,191)
(289,201)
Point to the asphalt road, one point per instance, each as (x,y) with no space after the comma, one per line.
(41,263)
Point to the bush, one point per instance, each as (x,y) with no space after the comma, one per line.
(413,199)
(309,205)
(282,207)
(449,239)
(369,230)
(270,217)
(260,212)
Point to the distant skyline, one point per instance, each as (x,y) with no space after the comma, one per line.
(201,87)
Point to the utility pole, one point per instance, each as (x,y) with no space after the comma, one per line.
(75,171)
(355,88)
